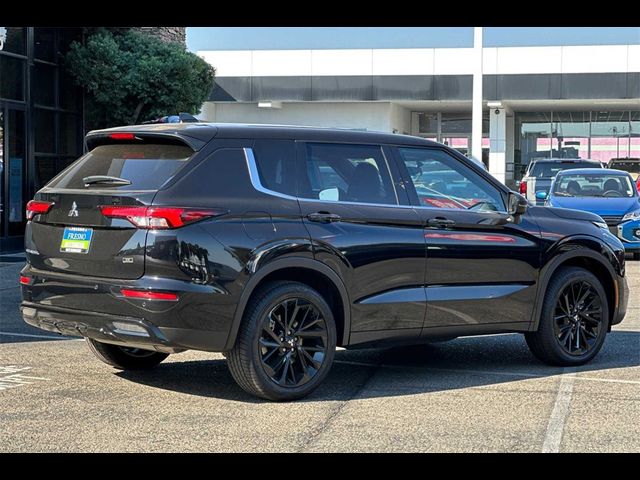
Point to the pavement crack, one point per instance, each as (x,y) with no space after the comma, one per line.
(320,429)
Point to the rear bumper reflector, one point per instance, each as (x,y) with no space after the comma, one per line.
(149,295)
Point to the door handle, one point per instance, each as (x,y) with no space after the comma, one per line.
(440,222)
(324,217)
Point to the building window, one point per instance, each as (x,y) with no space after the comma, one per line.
(609,135)
(44,47)
(11,78)
(570,135)
(44,85)
(12,40)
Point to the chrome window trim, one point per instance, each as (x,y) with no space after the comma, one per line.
(252,166)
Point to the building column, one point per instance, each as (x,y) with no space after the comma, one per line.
(476,109)
(498,143)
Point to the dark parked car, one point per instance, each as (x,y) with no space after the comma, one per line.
(541,172)
(631,165)
(276,244)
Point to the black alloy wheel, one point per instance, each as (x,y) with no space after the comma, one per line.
(293,343)
(286,342)
(574,319)
(578,317)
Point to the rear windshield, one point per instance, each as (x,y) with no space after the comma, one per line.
(631,167)
(146,166)
(549,169)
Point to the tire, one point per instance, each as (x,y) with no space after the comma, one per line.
(264,349)
(636,255)
(125,358)
(556,336)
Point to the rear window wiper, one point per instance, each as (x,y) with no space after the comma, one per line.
(105,179)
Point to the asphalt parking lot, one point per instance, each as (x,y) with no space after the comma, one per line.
(480,394)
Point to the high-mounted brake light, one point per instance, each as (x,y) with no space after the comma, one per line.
(122,136)
(158,218)
(148,295)
(523,187)
(36,207)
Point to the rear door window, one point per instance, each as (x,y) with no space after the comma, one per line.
(146,166)
(549,169)
(275,160)
(342,172)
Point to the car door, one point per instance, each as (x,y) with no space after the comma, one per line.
(363,228)
(482,263)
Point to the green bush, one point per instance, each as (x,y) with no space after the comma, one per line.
(130,77)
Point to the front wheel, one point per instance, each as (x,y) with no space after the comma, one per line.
(125,358)
(573,321)
(286,343)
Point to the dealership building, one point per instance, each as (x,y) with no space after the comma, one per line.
(562,100)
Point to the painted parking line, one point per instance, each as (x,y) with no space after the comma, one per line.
(30,335)
(555,428)
(13,376)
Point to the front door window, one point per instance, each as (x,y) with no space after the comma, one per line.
(442,181)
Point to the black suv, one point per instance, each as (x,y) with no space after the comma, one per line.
(276,244)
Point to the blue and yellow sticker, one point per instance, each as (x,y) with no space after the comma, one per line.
(76,240)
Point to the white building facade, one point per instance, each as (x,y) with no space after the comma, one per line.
(531,102)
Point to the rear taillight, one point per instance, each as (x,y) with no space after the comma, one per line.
(37,207)
(523,187)
(158,218)
(122,136)
(149,295)
(24,280)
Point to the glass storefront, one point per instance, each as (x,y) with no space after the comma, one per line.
(454,130)
(40,117)
(594,135)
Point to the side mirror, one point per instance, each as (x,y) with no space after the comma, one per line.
(541,195)
(517,204)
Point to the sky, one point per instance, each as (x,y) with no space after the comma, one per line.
(273,38)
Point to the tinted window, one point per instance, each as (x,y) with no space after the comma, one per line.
(353,173)
(593,185)
(275,160)
(627,166)
(441,181)
(147,167)
(549,169)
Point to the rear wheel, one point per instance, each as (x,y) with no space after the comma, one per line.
(286,343)
(125,358)
(573,321)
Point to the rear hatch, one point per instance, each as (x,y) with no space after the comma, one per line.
(74,236)
(543,172)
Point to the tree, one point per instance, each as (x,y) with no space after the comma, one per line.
(130,77)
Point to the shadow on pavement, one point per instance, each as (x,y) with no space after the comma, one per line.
(462,363)
(12,258)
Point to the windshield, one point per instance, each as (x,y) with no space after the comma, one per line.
(145,166)
(593,185)
(549,169)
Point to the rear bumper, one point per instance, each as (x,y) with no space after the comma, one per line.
(119,330)
(92,307)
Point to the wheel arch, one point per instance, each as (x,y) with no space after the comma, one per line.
(577,255)
(304,270)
